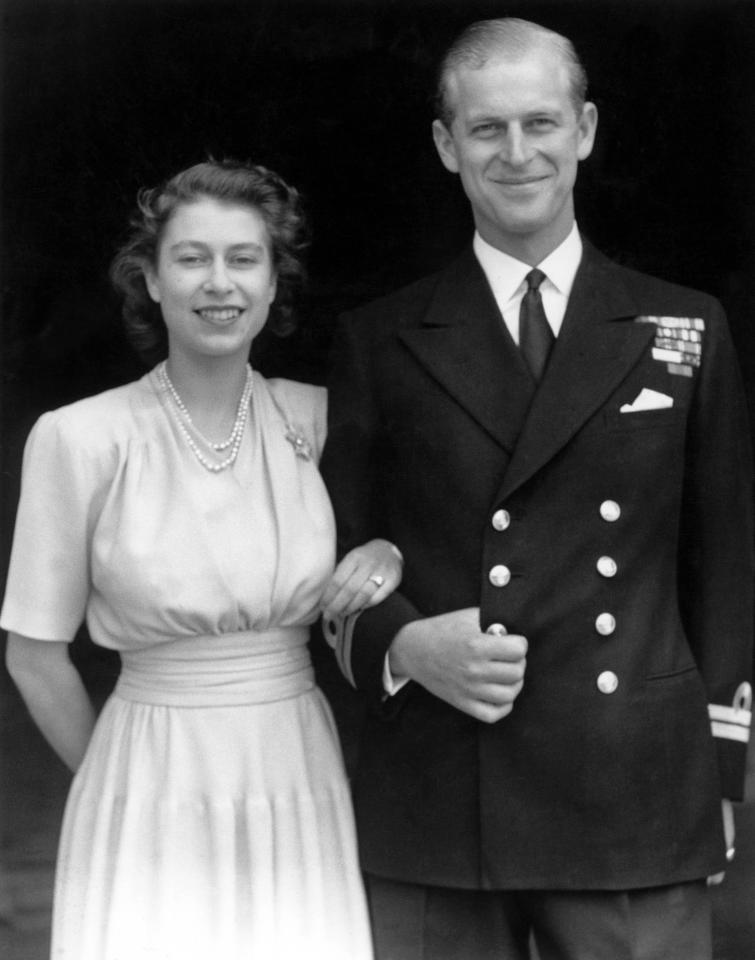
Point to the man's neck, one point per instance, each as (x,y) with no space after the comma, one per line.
(531,249)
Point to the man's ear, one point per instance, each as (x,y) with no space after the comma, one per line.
(588,125)
(445,145)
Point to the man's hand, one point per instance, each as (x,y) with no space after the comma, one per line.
(478,673)
(727,810)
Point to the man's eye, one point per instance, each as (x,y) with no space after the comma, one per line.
(541,123)
(486,129)
(190,259)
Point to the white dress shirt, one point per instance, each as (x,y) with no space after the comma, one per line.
(506,277)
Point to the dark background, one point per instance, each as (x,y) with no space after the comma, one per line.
(100,98)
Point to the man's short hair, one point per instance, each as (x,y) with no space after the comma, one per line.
(506,37)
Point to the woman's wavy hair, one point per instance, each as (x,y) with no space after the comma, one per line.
(228,181)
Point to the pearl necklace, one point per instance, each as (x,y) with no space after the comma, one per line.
(241,409)
(236,435)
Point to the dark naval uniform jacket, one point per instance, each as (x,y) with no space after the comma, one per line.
(606,515)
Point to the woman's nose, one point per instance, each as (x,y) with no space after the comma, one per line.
(218,280)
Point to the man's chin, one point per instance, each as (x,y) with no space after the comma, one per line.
(520,226)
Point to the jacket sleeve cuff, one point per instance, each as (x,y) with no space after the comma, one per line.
(361,642)
(730,726)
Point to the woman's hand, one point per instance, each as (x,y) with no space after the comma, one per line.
(365,576)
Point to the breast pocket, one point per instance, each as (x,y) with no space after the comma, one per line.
(663,418)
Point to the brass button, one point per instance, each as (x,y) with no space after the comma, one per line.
(607,567)
(499,575)
(610,510)
(605,624)
(501,519)
(607,681)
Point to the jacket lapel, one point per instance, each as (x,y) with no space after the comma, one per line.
(594,352)
(464,344)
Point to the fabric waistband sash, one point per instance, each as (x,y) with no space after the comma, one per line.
(226,670)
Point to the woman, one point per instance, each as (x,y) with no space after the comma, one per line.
(183,515)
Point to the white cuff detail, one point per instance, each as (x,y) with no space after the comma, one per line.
(339,632)
(390,684)
(733,723)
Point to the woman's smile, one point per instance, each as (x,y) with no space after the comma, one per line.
(220,315)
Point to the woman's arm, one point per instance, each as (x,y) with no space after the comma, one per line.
(54,694)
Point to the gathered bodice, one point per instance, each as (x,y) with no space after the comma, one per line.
(152,546)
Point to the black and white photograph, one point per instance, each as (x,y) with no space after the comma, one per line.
(377,533)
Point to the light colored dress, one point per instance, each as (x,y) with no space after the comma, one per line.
(211,817)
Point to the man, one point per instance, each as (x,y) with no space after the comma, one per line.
(562,456)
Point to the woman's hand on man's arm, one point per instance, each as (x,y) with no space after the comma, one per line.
(364,577)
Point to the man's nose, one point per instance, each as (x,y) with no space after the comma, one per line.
(515,148)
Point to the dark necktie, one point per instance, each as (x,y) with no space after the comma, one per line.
(535,334)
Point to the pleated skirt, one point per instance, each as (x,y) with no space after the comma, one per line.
(211,817)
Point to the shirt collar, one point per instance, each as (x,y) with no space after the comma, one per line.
(506,274)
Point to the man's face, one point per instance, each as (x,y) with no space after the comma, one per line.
(515,141)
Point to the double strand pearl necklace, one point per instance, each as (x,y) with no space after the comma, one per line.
(234,439)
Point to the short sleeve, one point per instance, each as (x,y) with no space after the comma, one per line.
(48,579)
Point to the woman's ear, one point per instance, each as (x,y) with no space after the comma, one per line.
(150,279)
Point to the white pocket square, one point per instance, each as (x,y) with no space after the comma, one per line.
(648,400)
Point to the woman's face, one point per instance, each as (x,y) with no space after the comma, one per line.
(214,278)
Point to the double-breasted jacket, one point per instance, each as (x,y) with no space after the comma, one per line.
(606,515)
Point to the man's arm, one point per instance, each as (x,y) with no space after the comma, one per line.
(351,468)
(448,654)
(717,558)
(716,554)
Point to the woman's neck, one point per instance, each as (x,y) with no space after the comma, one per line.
(210,388)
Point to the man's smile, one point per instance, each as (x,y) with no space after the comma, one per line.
(519,181)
